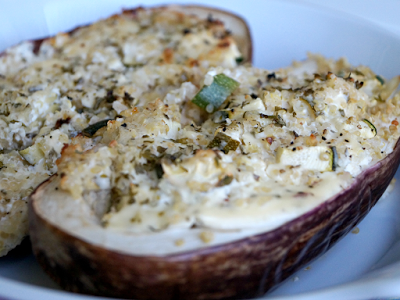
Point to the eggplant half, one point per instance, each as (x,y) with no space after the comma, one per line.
(245,268)
(13,222)
(237,27)
(76,247)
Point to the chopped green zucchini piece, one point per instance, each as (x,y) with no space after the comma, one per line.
(92,129)
(371,131)
(212,96)
(318,158)
(380,79)
(335,158)
(303,108)
(278,108)
(278,121)
(341,74)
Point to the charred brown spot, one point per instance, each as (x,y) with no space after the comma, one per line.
(192,62)
(168,55)
(60,122)
(110,96)
(211,20)
(254,96)
(359,84)
(271,76)
(128,97)
(133,11)
(224,44)
(37,44)
(302,194)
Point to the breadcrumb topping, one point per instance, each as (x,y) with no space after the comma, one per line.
(280,144)
(52,91)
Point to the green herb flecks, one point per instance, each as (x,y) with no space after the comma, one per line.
(277,120)
(335,158)
(372,126)
(239,60)
(92,129)
(225,142)
(227,179)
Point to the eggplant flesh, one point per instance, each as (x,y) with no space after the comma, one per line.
(248,267)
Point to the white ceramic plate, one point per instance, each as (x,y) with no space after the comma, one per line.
(365,265)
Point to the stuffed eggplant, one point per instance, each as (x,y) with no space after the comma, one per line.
(159,204)
(54,88)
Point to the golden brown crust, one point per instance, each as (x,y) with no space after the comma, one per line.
(244,39)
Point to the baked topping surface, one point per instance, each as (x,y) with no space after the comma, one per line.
(160,118)
(280,144)
(73,80)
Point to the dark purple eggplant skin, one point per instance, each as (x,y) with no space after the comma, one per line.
(246,268)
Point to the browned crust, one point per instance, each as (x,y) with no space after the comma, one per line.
(244,46)
(245,268)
